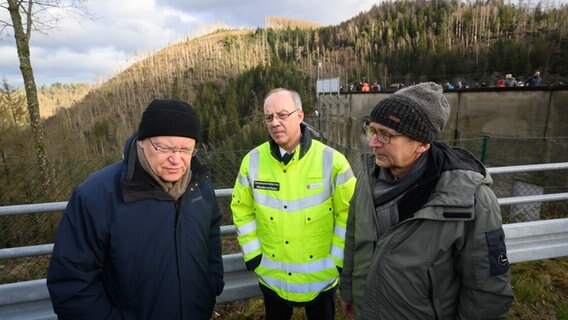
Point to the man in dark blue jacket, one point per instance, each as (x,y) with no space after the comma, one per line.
(140,239)
(534,81)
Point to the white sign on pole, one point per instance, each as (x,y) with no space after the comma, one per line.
(330,85)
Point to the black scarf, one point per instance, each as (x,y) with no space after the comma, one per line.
(417,186)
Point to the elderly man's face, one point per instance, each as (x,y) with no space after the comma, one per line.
(394,151)
(168,157)
(283,119)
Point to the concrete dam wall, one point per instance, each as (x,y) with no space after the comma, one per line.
(513,126)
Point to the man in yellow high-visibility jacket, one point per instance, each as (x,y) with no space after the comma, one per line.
(290,205)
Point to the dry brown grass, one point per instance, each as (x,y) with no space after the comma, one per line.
(283,23)
(60,96)
(540,288)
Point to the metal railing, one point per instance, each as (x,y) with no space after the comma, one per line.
(525,241)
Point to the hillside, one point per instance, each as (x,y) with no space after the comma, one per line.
(225,74)
(61,96)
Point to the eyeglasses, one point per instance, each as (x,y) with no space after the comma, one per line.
(279,116)
(167,150)
(382,136)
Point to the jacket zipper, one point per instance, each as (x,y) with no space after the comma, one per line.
(434,296)
(177,207)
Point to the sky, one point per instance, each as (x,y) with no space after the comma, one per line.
(118,33)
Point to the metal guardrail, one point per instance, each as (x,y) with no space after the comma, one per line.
(60,206)
(526,241)
(30,299)
(536,240)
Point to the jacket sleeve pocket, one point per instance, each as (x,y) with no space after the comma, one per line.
(498,261)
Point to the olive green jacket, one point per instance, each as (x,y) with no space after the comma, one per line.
(448,261)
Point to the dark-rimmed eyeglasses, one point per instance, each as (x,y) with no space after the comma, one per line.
(382,136)
(282,116)
(168,150)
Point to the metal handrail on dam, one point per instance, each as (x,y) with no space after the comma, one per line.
(526,241)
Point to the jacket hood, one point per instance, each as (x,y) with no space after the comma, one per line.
(128,145)
(460,175)
(454,158)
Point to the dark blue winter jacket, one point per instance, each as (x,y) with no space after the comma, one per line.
(125,249)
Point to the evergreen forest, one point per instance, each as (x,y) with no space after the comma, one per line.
(227,73)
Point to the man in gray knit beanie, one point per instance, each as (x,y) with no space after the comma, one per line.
(424,238)
(419,112)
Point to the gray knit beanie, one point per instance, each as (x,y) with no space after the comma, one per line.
(419,112)
(169,117)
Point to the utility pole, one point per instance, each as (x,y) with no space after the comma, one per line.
(318,97)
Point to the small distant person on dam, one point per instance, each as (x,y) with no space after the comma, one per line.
(290,205)
(140,239)
(534,81)
(424,235)
(510,81)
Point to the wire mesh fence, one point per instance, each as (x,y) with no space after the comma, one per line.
(19,185)
(508,151)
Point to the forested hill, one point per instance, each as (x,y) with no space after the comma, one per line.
(227,73)
(447,40)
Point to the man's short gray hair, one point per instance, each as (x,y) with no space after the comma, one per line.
(295,96)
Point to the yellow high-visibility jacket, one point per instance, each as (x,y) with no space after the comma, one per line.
(293,217)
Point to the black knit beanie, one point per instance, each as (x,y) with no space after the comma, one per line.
(419,112)
(169,118)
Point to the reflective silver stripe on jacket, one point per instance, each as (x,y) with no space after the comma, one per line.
(244,230)
(298,287)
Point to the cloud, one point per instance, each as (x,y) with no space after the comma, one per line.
(85,50)
(9,63)
(251,13)
(74,66)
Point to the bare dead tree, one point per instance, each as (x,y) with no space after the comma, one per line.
(12,103)
(27,16)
